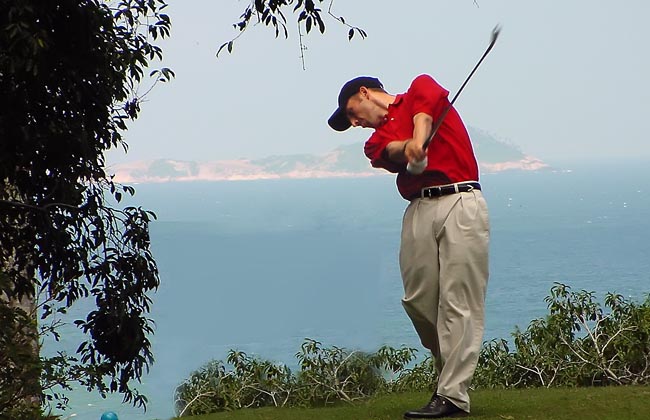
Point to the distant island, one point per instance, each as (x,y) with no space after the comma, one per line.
(344,161)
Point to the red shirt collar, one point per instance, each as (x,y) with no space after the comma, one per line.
(398,99)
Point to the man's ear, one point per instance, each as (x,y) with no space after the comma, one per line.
(364,92)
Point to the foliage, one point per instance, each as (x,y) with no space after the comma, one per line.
(335,374)
(326,375)
(70,77)
(250,382)
(579,343)
(420,377)
(17,360)
(270,13)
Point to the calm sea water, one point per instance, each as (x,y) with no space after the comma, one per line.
(258,266)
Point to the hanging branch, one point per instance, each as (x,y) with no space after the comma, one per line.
(270,13)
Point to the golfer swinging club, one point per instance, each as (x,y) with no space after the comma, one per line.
(445,232)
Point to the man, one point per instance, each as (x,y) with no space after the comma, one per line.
(445,231)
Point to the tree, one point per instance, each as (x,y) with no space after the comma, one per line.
(70,73)
(70,77)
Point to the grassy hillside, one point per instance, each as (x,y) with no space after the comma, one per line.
(604,403)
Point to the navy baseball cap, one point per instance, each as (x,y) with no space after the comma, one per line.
(339,120)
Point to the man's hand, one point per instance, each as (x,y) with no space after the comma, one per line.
(413,151)
(404,151)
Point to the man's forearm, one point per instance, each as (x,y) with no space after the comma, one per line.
(422,126)
(395,151)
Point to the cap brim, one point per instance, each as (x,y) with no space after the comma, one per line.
(339,121)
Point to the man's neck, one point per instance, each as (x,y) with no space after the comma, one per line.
(383,100)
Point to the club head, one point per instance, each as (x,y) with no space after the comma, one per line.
(495,33)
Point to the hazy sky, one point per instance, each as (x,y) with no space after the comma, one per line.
(568,79)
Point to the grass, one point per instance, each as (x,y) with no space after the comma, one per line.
(605,403)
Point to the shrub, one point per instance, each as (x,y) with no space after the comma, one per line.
(326,375)
(244,381)
(335,374)
(578,344)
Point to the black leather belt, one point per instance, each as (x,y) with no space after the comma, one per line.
(431,192)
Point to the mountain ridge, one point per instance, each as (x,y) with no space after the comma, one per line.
(344,161)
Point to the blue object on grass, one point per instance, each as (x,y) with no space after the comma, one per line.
(109,415)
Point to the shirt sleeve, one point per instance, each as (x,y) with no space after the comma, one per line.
(375,150)
(427,96)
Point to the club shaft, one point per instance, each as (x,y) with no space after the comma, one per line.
(440,119)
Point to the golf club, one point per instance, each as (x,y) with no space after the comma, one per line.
(418,167)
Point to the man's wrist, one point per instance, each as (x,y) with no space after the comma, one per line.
(404,147)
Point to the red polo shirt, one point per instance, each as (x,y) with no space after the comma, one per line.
(450,154)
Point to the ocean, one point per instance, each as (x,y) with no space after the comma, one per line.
(258,266)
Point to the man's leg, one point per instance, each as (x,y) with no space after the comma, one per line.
(463,247)
(419,268)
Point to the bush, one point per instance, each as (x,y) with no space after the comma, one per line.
(578,344)
(335,374)
(244,382)
(326,375)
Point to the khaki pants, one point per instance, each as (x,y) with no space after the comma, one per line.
(444,265)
